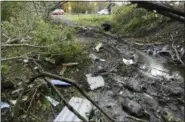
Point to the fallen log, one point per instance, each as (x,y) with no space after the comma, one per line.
(161,9)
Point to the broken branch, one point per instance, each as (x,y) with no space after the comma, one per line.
(70,64)
(25,45)
(72,82)
(176,52)
(66,103)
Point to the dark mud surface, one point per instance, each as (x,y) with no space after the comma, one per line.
(154,93)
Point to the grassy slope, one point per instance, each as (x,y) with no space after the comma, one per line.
(89,19)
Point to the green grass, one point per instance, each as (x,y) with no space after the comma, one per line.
(89,19)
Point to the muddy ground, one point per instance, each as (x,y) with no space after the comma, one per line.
(150,90)
(132,93)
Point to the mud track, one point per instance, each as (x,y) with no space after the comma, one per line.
(129,94)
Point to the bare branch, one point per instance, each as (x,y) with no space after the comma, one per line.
(25,45)
(74,83)
(12,58)
(177,54)
(66,103)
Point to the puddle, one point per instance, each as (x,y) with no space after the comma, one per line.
(158,67)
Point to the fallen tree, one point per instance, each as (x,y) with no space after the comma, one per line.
(162,9)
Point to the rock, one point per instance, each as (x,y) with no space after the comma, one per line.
(132,107)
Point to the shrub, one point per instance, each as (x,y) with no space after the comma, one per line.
(130,18)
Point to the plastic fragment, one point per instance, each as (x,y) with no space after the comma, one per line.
(82,106)
(59,82)
(95,82)
(4,105)
(52,101)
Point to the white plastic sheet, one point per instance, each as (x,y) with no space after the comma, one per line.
(82,106)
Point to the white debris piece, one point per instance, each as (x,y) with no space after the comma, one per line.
(94,57)
(52,101)
(13,101)
(95,82)
(98,47)
(128,61)
(25,60)
(4,105)
(59,82)
(82,106)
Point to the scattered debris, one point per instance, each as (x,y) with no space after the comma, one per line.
(95,58)
(13,101)
(65,67)
(25,98)
(97,48)
(63,70)
(83,106)
(95,82)
(59,82)
(52,101)
(70,64)
(128,61)
(17,91)
(4,105)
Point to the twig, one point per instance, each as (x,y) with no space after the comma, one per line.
(66,103)
(29,113)
(15,40)
(25,45)
(63,70)
(72,82)
(136,119)
(176,52)
(32,99)
(12,58)
(70,64)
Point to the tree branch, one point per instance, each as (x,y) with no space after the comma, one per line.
(66,103)
(25,45)
(176,52)
(72,82)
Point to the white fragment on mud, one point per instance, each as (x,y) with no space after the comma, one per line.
(95,82)
(25,60)
(94,57)
(128,62)
(52,101)
(4,105)
(82,106)
(97,48)
(59,82)
(13,101)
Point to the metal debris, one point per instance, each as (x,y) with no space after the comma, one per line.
(58,82)
(83,106)
(95,82)
(52,101)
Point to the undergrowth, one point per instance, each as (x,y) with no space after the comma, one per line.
(127,19)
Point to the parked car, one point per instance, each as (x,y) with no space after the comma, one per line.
(58,12)
(103,12)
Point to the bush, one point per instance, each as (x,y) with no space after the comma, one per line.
(10,9)
(61,38)
(130,18)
